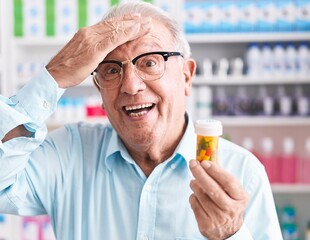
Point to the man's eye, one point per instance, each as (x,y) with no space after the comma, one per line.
(112,70)
(150,63)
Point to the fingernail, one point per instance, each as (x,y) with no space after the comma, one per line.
(192,163)
(206,164)
(136,15)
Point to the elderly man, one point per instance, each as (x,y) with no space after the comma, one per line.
(134,178)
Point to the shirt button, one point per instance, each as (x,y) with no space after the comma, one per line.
(173,166)
(145,237)
(148,188)
(46,104)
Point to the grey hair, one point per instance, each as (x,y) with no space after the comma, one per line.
(149,10)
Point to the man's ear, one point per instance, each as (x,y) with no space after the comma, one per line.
(189,69)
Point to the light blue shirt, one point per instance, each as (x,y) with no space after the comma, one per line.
(83,177)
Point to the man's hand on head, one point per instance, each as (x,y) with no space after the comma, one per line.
(90,45)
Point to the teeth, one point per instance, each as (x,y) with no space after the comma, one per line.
(138,114)
(140,106)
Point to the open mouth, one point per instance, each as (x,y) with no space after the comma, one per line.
(138,110)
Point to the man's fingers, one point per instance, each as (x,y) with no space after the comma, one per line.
(208,185)
(228,182)
(129,24)
(216,182)
(210,192)
(121,32)
(200,215)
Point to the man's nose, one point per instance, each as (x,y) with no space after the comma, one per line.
(131,82)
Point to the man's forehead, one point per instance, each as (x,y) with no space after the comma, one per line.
(149,42)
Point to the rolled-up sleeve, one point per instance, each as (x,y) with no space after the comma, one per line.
(30,107)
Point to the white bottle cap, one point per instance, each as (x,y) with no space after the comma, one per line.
(247,143)
(267,145)
(288,145)
(208,127)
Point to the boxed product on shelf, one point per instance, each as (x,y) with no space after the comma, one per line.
(246,16)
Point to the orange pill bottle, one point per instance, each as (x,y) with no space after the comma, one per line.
(208,132)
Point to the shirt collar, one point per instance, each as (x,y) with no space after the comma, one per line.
(186,148)
(187,145)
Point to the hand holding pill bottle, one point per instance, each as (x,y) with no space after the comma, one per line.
(208,132)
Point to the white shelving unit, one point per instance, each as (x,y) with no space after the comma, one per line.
(247,37)
(216,46)
(246,80)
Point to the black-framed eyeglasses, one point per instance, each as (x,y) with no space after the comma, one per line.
(148,66)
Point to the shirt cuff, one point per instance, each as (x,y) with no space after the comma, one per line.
(32,104)
(243,233)
(38,98)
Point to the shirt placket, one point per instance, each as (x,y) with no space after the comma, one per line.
(148,206)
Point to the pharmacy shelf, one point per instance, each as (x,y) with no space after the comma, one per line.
(248,80)
(247,37)
(192,38)
(290,188)
(273,121)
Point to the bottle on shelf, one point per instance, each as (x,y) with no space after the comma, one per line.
(203,102)
(236,67)
(253,60)
(268,159)
(279,60)
(288,161)
(248,144)
(289,223)
(263,104)
(303,59)
(267,60)
(290,59)
(222,68)
(304,164)
(221,103)
(242,102)
(301,103)
(207,68)
(283,102)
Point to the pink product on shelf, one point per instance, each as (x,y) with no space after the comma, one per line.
(269,160)
(288,169)
(95,111)
(304,164)
(271,165)
(288,162)
(34,228)
(304,170)
(94,107)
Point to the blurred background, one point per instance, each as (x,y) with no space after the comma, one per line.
(253,74)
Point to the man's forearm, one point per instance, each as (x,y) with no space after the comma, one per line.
(19,131)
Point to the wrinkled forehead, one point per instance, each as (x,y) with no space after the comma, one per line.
(158,39)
